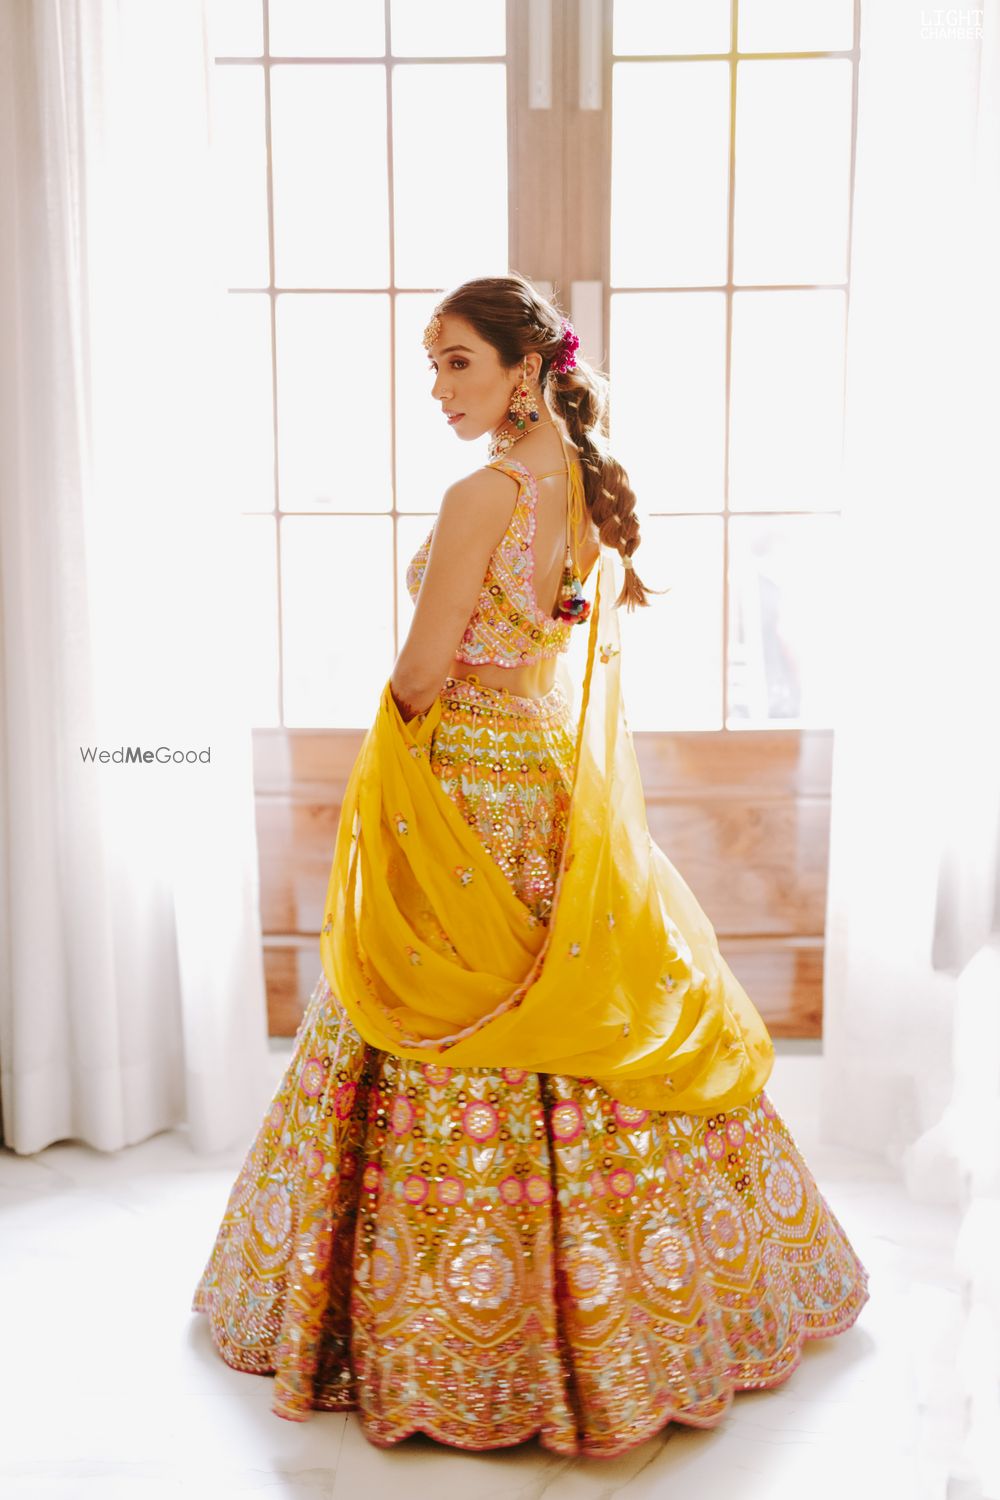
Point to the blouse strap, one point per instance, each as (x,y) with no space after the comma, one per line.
(515,471)
(571,496)
(507,464)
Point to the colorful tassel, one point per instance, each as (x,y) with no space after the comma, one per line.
(572,604)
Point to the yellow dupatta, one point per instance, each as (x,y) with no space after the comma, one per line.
(434,957)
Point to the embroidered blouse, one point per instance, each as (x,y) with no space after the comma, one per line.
(507,626)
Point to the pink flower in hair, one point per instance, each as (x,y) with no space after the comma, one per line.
(565,356)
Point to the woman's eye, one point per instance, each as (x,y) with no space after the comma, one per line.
(432,368)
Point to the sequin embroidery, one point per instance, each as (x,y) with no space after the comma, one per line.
(484,1254)
(507,627)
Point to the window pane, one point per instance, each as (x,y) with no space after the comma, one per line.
(668,382)
(235,28)
(259,575)
(672,652)
(246,402)
(790,26)
(787,400)
(431,456)
(784,619)
(336,580)
(792,185)
(333,402)
(671,26)
(328,156)
(448,28)
(317,28)
(449,133)
(669,173)
(241,164)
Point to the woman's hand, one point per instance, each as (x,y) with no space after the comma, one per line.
(407,711)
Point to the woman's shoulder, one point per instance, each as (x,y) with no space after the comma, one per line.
(483,486)
(480,503)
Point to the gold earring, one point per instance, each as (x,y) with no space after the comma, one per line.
(523,407)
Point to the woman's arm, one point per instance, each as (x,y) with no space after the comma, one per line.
(473,517)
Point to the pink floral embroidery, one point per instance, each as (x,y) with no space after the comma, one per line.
(450,1191)
(481,1120)
(511,1191)
(567,1121)
(629,1116)
(415,1188)
(538,1189)
(312,1078)
(621,1182)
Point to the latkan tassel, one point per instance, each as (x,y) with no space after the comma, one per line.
(572,604)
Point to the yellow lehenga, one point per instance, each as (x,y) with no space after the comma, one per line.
(521,1175)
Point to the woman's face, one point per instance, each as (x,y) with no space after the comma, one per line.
(470,384)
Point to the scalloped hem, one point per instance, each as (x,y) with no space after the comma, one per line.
(579,1188)
(582,1448)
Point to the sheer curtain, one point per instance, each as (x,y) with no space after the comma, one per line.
(912,983)
(131,984)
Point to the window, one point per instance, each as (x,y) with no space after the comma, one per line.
(681,175)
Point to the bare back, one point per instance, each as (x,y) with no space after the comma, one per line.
(542,454)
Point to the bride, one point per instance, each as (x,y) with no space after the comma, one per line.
(522,1175)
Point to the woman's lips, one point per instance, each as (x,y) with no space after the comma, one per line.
(456,418)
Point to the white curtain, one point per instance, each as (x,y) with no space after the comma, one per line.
(131,984)
(912,982)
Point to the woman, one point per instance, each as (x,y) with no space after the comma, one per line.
(521,1176)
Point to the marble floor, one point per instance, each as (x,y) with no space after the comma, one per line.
(111,1388)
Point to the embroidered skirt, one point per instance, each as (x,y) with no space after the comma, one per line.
(488,1254)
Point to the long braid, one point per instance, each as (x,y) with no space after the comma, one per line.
(579,396)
